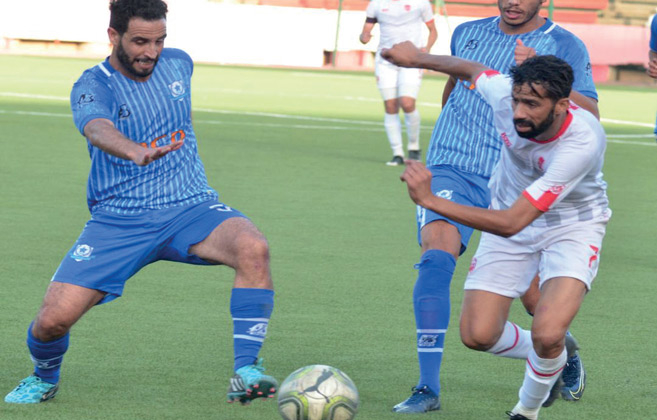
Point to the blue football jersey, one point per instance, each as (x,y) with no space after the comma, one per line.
(464,136)
(152,113)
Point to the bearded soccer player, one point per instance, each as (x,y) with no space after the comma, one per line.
(548,214)
(149,200)
(463,150)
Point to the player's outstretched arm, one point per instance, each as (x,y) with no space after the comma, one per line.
(499,222)
(103,135)
(405,54)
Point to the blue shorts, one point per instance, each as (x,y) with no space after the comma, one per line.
(113,247)
(459,187)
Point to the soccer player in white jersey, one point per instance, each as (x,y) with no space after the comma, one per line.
(463,150)
(548,213)
(399,20)
(149,200)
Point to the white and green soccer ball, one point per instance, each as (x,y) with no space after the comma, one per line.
(318,392)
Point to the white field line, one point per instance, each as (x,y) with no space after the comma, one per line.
(374,126)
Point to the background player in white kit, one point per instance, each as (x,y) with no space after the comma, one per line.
(548,213)
(399,20)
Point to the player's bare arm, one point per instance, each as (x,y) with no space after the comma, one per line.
(652,64)
(405,54)
(499,222)
(103,135)
(433,36)
(366,33)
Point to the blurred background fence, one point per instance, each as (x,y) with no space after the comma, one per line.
(313,33)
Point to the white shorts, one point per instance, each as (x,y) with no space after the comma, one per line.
(506,266)
(394,82)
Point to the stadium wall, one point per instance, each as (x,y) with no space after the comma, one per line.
(228,33)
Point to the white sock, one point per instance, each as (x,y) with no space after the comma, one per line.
(412,120)
(514,342)
(540,376)
(392,124)
(521,409)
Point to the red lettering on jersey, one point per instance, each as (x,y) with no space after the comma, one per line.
(506,140)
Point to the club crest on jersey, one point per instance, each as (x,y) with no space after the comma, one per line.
(427,340)
(82,252)
(124,112)
(446,194)
(407,7)
(177,89)
(556,189)
(85,99)
(258,329)
(472,44)
(541,162)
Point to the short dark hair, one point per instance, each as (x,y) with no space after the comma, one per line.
(121,11)
(552,73)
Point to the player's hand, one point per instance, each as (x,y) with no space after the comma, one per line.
(404,54)
(652,68)
(365,37)
(148,155)
(522,52)
(418,180)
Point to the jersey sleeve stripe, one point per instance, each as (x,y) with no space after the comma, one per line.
(544,201)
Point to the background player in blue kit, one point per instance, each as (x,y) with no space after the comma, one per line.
(463,150)
(652,54)
(149,200)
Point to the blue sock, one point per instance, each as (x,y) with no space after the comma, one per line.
(47,356)
(432,310)
(251,309)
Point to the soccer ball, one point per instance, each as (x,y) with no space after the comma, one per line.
(318,392)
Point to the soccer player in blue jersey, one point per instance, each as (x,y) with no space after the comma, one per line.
(463,150)
(149,200)
(652,54)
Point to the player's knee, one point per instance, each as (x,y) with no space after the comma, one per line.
(253,251)
(477,338)
(48,329)
(547,341)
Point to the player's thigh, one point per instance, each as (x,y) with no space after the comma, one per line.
(386,79)
(449,235)
(505,266)
(408,85)
(571,251)
(483,315)
(560,300)
(233,241)
(110,249)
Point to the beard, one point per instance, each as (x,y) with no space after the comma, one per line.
(529,15)
(535,130)
(127,63)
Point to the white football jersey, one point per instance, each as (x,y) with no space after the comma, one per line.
(561,176)
(400,20)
